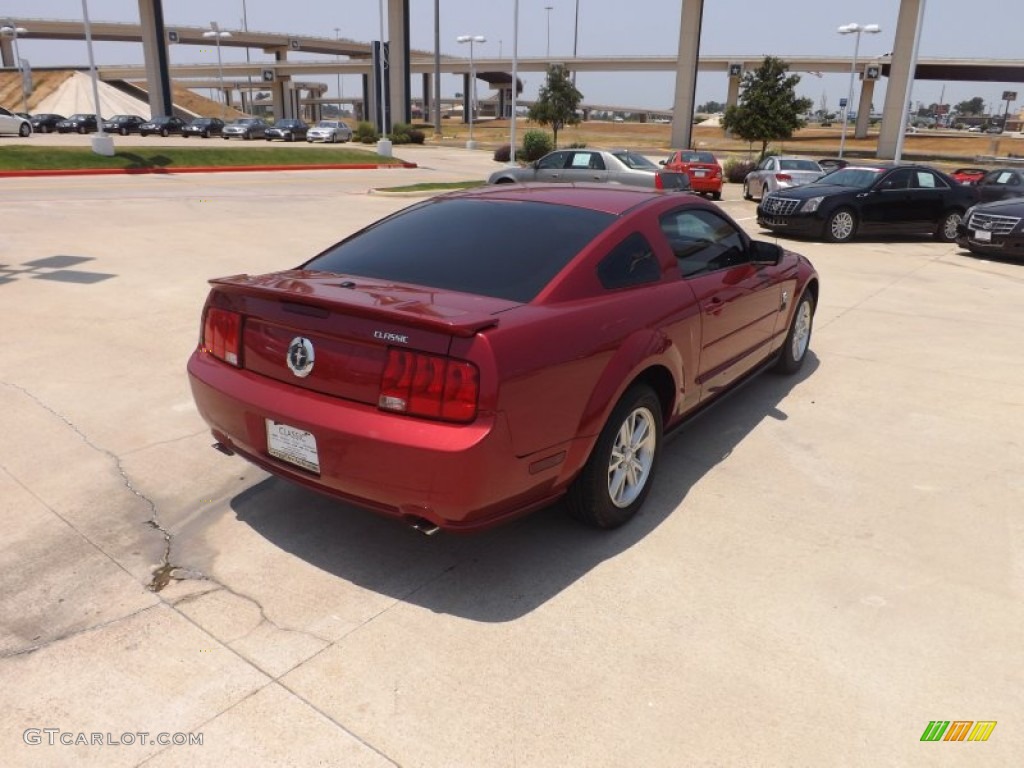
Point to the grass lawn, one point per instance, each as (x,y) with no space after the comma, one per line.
(439,186)
(22,158)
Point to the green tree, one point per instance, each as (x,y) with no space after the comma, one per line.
(711,107)
(557,101)
(973,106)
(768,109)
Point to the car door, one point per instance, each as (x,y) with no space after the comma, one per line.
(739,301)
(551,167)
(584,165)
(888,204)
(928,200)
(8,122)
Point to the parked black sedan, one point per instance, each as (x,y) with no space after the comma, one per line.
(287,129)
(165,125)
(204,127)
(1001,184)
(123,124)
(45,122)
(78,123)
(880,198)
(994,228)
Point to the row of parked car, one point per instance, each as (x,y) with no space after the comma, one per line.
(832,199)
(246,128)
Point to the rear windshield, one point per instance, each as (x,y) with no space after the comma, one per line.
(799,165)
(507,250)
(633,160)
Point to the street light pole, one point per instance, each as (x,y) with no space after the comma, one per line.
(216,33)
(337,36)
(853,29)
(515,80)
(576,38)
(548,9)
(102,144)
(471,39)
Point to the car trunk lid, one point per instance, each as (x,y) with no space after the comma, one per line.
(349,323)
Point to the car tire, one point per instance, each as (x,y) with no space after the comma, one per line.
(716,196)
(746,191)
(946,231)
(81,129)
(163,132)
(841,225)
(619,474)
(504,180)
(798,340)
(24,130)
(205,134)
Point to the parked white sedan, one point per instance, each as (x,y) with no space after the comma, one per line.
(14,125)
(329,131)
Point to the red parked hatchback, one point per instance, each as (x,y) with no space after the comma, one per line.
(701,167)
(481,354)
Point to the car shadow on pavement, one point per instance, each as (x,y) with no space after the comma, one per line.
(507,572)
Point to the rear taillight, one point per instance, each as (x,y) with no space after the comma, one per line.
(429,385)
(658,182)
(222,334)
(783,177)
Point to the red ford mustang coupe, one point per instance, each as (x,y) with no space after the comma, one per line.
(484,353)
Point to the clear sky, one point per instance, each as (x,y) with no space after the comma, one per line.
(952,28)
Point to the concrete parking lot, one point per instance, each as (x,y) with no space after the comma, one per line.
(826,564)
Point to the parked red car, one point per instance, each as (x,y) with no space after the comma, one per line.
(703,169)
(481,354)
(968,175)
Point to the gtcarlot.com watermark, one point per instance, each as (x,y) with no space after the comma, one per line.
(55,736)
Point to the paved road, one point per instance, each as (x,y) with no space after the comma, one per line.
(824,566)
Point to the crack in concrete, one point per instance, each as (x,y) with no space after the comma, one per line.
(75,632)
(166,571)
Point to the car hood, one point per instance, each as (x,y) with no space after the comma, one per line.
(807,191)
(1012,206)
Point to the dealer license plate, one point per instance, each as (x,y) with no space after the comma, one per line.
(982,235)
(296,446)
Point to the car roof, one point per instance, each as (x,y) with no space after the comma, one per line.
(612,199)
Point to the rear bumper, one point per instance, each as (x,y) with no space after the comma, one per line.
(459,477)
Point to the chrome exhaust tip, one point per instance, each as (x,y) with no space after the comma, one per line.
(424,526)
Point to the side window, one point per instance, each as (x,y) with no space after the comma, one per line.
(580,160)
(767,164)
(925,180)
(898,179)
(702,241)
(631,262)
(553,161)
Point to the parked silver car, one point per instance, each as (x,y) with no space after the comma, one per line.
(245,128)
(613,166)
(780,172)
(329,131)
(14,124)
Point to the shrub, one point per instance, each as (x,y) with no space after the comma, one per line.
(416,136)
(366,133)
(503,154)
(400,134)
(577,145)
(736,170)
(536,144)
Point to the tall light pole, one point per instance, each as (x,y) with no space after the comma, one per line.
(9,30)
(576,38)
(853,29)
(548,9)
(515,81)
(341,94)
(102,144)
(247,101)
(471,39)
(217,33)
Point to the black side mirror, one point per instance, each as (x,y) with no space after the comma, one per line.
(764,254)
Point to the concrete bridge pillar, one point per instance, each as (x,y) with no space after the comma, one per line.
(398,52)
(897,90)
(154,52)
(7,52)
(686,72)
(867,92)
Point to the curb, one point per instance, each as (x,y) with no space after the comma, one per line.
(209,169)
